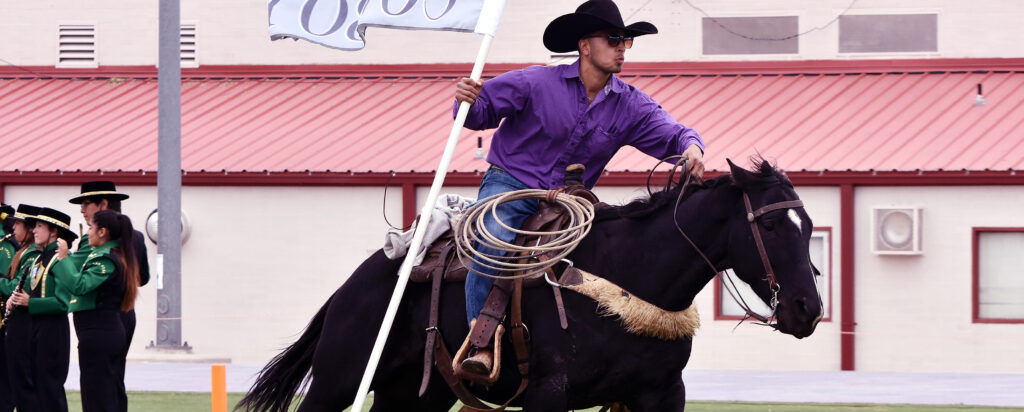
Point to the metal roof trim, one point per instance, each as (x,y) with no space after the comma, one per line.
(456,70)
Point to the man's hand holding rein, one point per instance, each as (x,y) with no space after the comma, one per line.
(695,160)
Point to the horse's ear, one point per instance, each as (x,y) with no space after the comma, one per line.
(739,175)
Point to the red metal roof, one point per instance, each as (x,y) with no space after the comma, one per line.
(808,116)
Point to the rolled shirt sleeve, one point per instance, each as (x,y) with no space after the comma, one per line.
(659,135)
(500,97)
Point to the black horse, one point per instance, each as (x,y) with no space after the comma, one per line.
(595,361)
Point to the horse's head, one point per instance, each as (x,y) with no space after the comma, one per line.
(776,265)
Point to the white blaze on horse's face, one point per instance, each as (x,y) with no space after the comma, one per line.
(796,219)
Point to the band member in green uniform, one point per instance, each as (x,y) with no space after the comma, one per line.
(46,302)
(101,288)
(21,234)
(9,246)
(103,195)
(17,338)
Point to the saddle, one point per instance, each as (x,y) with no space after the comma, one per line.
(441,265)
(440,259)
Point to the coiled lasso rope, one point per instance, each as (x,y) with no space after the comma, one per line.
(469,228)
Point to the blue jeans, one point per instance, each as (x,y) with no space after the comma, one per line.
(513,214)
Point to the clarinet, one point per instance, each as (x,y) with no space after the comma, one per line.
(7,311)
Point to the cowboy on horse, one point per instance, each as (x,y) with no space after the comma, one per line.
(637,270)
(579,113)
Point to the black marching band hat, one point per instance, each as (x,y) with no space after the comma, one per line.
(563,33)
(26,211)
(99,188)
(55,218)
(6,211)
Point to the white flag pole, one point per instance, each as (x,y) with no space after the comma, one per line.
(417,239)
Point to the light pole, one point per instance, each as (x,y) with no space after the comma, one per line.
(168,295)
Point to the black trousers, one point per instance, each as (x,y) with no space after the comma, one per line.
(128,320)
(100,353)
(6,396)
(19,357)
(51,341)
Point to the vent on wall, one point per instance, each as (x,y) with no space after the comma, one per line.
(896,231)
(76,45)
(188,45)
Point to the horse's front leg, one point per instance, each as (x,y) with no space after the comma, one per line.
(670,398)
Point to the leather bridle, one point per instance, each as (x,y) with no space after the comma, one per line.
(752,217)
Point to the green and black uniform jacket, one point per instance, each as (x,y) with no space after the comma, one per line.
(47,296)
(138,246)
(9,283)
(96,282)
(7,251)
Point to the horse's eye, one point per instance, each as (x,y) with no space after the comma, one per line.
(769,225)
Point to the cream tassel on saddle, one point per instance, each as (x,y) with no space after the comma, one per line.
(637,315)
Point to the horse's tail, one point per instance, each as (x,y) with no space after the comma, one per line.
(277,383)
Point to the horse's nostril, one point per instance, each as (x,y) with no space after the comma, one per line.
(802,305)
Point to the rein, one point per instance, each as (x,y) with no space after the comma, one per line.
(752,217)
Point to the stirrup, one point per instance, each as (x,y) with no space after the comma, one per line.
(464,351)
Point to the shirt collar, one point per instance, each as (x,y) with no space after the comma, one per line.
(616,84)
(51,246)
(572,71)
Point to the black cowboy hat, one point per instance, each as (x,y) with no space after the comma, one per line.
(101,189)
(56,219)
(25,212)
(563,33)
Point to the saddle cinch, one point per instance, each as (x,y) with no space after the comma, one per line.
(442,265)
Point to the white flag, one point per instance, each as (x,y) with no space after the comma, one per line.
(341,24)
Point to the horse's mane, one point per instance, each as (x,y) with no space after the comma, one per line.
(763,173)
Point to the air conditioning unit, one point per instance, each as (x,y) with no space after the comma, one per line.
(896,230)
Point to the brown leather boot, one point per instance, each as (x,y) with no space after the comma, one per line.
(479,362)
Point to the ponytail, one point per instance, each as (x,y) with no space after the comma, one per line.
(120,228)
(131,267)
(24,244)
(13,269)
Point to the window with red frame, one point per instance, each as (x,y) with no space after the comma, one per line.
(999,275)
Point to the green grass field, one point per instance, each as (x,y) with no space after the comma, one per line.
(199,402)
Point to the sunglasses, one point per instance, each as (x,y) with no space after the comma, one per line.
(614,40)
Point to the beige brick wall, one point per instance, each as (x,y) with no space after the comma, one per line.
(914,312)
(233,32)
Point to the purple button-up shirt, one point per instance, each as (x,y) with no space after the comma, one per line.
(548,124)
